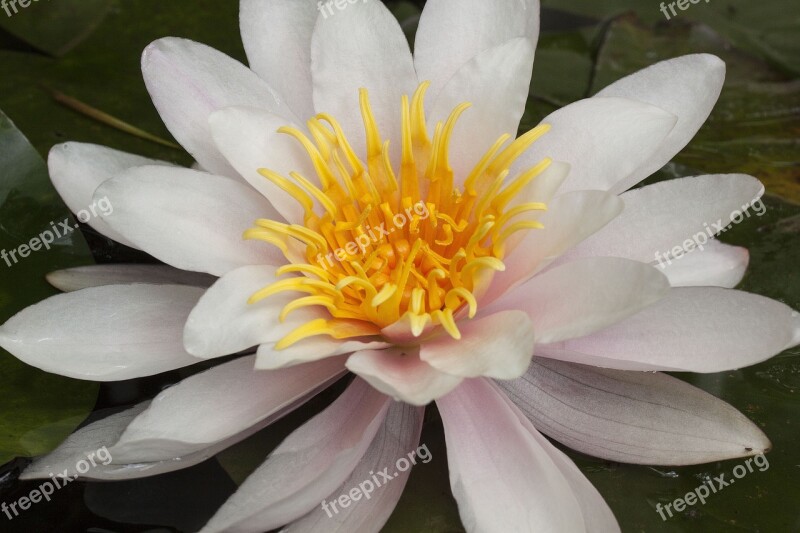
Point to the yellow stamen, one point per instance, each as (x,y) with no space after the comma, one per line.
(416,243)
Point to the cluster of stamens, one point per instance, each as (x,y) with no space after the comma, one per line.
(378,246)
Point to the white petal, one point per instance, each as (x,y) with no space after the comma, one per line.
(539,190)
(188,81)
(397,438)
(687,87)
(452,32)
(661,217)
(107,431)
(695,329)
(362,46)
(223,322)
(597,516)
(570,218)
(543,188)
(77,169)
(311,349)
(249,139)
(603,139)
(74,279)
(498,346)
(584,296)
(277,38)
(308,466)
(217,404)
(402,375)
(632,417)
(515,486)
(80,444)
(188,219)
(106,333)
(717,264)
(496,82)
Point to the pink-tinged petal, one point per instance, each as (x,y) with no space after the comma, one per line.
(661,217)
(596,136)
(499,346)
(584,296)
(408,331)
(402,375)
(687,87)
(78,169)
(570,218)
(308,466)
(717,264)
(311,349)
(496,82)
(632,417)
(596,514)
(694,329)
(277,38)
(223,322)
(215,405)
(75,279)
(188,219)
(106,333)
(361,46)
(249,139)
(398,436)
(107,431)
(78,445)
(453,32)
(501,477)
(188,81)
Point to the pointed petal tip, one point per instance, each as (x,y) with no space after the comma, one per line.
(159,45)
(56,153)
(711,61)
(56,278)
(4,338)
(195,345)
(795,336)
(757,442)
(8,339)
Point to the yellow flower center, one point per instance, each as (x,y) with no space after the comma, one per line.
(378,246)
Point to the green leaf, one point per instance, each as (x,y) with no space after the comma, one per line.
(105,73)
(407,14)
(39,409)
(562,73)
(767,30)
(752,129)
(54,27)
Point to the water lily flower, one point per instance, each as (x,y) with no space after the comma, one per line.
(358,208)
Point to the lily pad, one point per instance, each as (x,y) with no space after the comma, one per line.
(767,30)
(39,409)
(752,129)
(53,27)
